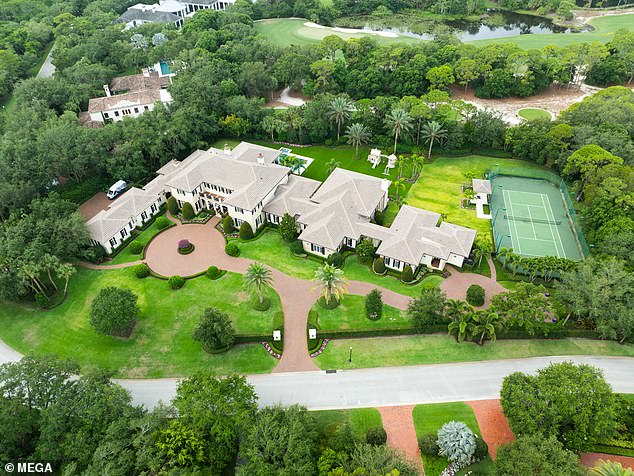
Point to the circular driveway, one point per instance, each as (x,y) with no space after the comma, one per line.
(162,254)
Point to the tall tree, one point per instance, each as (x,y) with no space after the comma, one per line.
(257,278)
(432,132)
(330,282)
(357,134)
(399,122)
(340,110)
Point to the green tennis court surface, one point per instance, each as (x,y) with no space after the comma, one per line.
(530,216)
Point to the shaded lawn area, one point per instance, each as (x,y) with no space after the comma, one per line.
(125,256)
(439,187)
(360,419)
(430,418)
(161,344)
(350,315)
(273,251)
(532,114)
(439,349)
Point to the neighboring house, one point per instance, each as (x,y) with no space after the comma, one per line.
(482,190)
(247,184)
(130,96)
(113,226)
(168,11)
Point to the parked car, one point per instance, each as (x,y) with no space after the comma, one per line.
(117,189)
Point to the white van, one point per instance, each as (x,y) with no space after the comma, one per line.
(116,189)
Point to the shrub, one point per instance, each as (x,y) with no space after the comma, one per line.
(172,205)
(365,251)
(379,265)
(376,436)
(456,442)
(136,247)
(297,247)
(213,272)
(335,259)
(475,295)
(188,211)
(141,270)
(114,311)
(427,444)
(246,232)
(481,449)
(227,225)
(185,247)
(176,282)
(162,222)
(42,300)
(374,305)
(215,330)
(407,275)
(428,309)
(288,228)
(379,217)
(232,249)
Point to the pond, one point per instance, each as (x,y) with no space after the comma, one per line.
(494,24)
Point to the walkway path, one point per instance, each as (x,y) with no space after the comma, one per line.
(401,434)
(590,459)
(48,68)
(457,284)
(296,294)
(493,424)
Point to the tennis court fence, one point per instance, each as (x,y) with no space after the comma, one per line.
(557,181)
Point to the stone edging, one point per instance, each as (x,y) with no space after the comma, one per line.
(271,352)
(321,349)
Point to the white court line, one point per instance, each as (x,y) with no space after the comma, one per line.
(530,216)
(552,214)
(519,249)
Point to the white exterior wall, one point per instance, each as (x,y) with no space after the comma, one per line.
(455,260)
(110,114)
(307,247)
(245,215)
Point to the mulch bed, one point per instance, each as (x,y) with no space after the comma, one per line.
(590,459)
(493,424)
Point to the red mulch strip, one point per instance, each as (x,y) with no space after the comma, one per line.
(401,434)
(590,459)
(493,424)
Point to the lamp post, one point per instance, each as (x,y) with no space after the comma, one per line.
(350,357)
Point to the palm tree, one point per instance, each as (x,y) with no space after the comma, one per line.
(482,248)
(461,326)
(455,308)
(433,131)
(418,161)
(340,109)
(331,282)
(398,121)
(486,323)
(610,468)
(504,254)
(65,271)
(256,278)
(270,126)
(331,166)
(357,134)
(514,262)
(402,162)
(399,184)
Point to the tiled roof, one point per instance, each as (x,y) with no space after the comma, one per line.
(481,186)
(293,197)
(134,14)
(119,101)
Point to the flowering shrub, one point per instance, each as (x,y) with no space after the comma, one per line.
(184,244)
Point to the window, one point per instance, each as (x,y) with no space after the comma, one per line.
(144,215)
(106,115)
(238,222)
(316,248)
(258,221)
(153,208)
(147,108)
(116,113)
(113,242)
(136,110)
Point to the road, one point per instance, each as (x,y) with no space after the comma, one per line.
(48,68)
(390,386)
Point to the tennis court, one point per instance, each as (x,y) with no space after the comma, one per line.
(531,216)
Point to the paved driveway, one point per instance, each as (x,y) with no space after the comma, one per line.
(95,204)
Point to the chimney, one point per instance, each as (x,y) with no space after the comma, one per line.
(106,88)
(227,149)
(260,159)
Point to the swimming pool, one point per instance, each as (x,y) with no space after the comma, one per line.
(165,68)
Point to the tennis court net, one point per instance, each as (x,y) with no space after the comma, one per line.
(532,220)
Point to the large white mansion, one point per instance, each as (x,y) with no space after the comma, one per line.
(248,184)
(168,11)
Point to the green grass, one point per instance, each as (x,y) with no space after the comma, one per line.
(533,114)
(430,418)
(287,31)
(125,256)
(604,29)
(360,419)
(440,349)
(161,344)
(438,188)
(350,315)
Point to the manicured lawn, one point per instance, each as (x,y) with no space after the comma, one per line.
(438,349)
(430,418)
(532,114)
(125,256)
(604,29)
(439,187)
(350,315)
(361,420)
(272,250)
(161,344)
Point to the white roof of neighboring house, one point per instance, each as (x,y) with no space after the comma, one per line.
(481,186)
(250,182)
(414,234)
